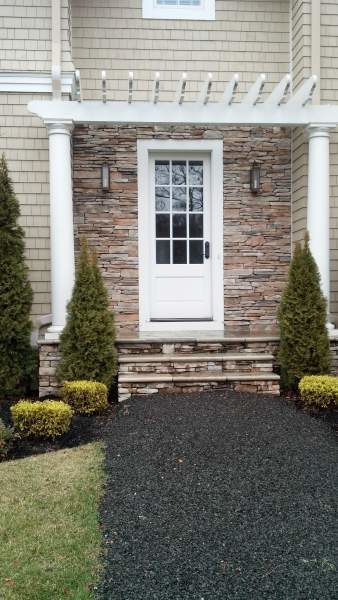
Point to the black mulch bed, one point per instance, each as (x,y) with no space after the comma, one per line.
(219,496)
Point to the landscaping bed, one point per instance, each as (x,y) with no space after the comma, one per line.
(219,495)
(83,429)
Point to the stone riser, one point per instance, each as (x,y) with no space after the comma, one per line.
(196,367)
(150,347)
(267,387)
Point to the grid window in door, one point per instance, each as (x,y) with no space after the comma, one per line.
(179,211)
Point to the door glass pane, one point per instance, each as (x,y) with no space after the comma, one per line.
(195,172)
(179,172)
(180,226)
(163,252)
(162,198)
(179,198)
(195,199)
(179,211)
(196,252)
(196,226)
(179,252)
(162,226)
(162,172)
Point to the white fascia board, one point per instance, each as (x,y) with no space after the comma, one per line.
(35,83)
(190,113)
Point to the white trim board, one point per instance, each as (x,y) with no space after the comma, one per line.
(215,148)
(14,82)
(205,12)
(188,112)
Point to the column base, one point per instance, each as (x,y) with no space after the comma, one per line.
(53,333)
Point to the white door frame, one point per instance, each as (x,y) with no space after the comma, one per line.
(215,148)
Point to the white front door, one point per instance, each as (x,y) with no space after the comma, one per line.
(180,237)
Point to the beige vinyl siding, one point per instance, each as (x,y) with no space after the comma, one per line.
(301,69)
(248,37)
(25,45)
(23,139)
(25,36)
(329,92)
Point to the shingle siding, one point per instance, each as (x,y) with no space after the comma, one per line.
(246,37)
(329,94)
(25,35)
(23,139)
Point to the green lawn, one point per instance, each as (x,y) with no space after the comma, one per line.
(50,540)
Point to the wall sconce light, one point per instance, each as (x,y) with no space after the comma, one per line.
(105,177)
(255,178)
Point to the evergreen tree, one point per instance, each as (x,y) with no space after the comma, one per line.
(87,341)
(304,342)
(16,359)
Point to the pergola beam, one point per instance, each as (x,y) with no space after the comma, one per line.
(188,112)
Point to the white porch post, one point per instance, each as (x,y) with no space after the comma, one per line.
(318,204)
(61,223)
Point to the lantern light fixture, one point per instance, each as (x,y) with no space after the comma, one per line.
(105,177)
(255,178)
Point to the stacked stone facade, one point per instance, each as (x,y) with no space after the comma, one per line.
(257,236)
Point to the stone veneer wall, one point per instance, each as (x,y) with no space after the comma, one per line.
(257,236)
(49,357)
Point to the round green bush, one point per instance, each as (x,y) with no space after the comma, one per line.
(85,397)
(46,418)
(320,391)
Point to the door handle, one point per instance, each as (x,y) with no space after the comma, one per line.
(207,249)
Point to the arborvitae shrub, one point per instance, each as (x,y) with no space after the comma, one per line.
(304,342)
(16,358)
(6,439)
(87,341)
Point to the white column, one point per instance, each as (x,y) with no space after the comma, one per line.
(61,223)
(318,204)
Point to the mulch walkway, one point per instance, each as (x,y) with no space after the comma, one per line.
(219,496)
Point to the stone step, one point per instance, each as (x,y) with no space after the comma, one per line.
(183,345)
(196,357)
(196,377)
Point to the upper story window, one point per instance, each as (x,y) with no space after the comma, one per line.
(179,9)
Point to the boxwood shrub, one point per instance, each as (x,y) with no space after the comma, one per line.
(46,418)
(319,391)
(85,397)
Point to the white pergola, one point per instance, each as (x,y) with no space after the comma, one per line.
(280,108)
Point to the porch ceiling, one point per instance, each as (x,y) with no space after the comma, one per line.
(280,108)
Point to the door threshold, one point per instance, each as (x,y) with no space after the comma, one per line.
(201,320)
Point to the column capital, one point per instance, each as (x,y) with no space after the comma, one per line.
(319,129)
(61,127)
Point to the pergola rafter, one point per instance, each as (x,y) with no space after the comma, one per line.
(280,107)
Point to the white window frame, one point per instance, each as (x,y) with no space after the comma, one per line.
(205,12)
(215,149)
